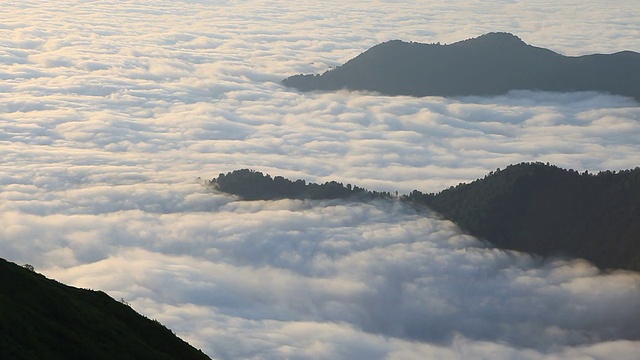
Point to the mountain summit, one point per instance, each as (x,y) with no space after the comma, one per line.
(491,64)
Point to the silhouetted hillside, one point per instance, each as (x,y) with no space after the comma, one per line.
(547,210)
(254,185)
(534,208)
(491,64)
(43,319)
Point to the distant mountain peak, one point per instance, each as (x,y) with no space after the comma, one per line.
(495,39)
(490,64)
(501,36)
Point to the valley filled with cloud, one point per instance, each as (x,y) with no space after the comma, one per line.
(113,113)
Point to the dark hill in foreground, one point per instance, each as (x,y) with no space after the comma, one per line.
(44,319)
(530,207)
(491,64)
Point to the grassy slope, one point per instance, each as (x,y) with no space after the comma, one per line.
(44,319)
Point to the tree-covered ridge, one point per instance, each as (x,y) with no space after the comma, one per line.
(531,207)
(491,64)
(44,319)
(254,185)
(547,210)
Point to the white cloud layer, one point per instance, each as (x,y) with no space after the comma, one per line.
(110,111)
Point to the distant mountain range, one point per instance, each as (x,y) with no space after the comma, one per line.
(44,319)
(491,64)
(531,207)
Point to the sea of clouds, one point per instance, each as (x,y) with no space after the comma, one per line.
(112,113)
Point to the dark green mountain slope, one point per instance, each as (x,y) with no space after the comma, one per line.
(491,64)
(530,207)
(254,185)
(43,319)
(547,210)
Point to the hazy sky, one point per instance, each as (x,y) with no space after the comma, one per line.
(111,110)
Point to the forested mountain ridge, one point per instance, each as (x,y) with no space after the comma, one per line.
(531,207)
(44,319)
(491,64)
(547,210)
(254,185)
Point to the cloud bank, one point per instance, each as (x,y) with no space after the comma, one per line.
(110,112)
(324,279)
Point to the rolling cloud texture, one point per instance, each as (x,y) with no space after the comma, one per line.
(110,112)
